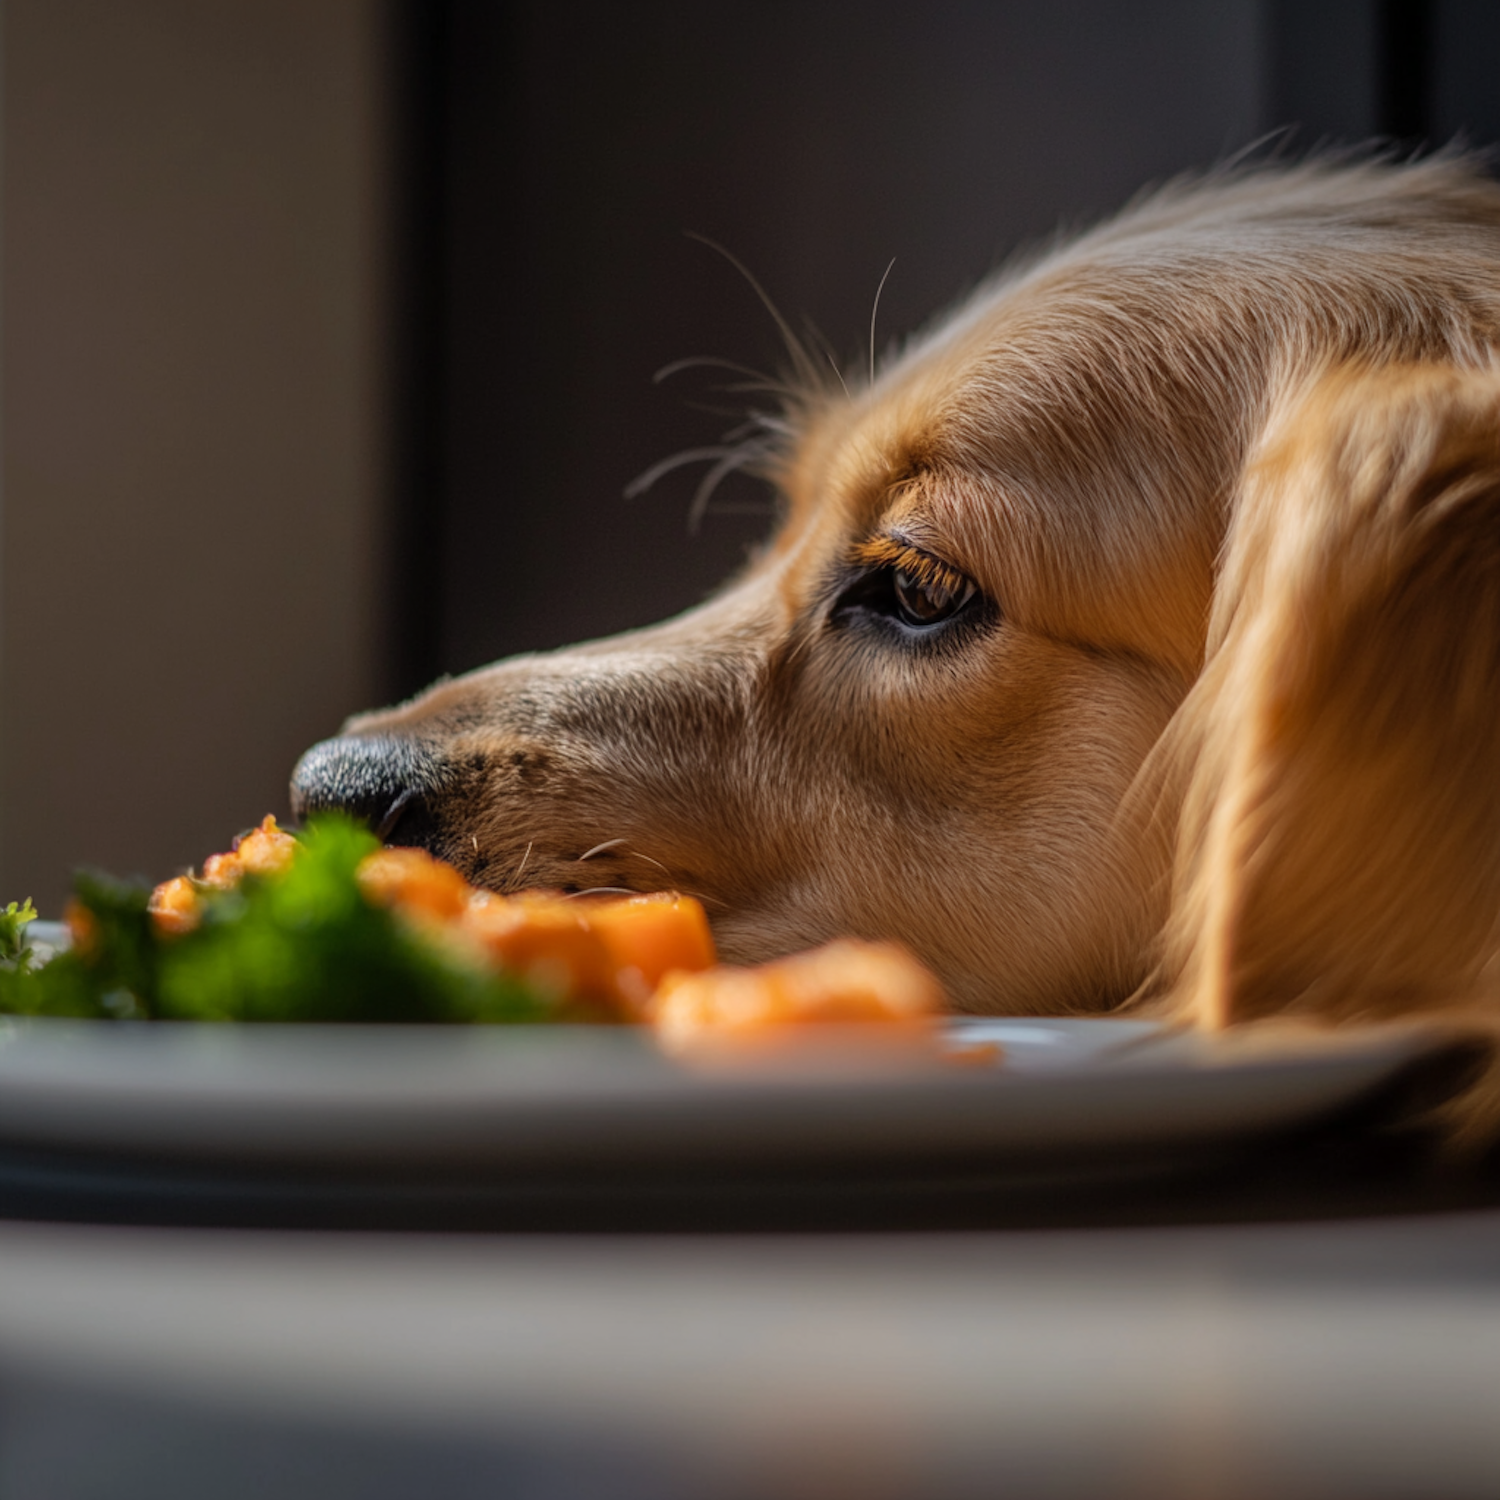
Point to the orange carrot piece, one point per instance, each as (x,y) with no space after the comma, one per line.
(412,880)
(83,927)
(222,871)
(174,906)
(549,943)
(648,937)
(265,850)
(843,982)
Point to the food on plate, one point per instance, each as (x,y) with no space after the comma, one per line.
(844,983)
(328,925)
(411,880)
(290,940)
(266,850)
(609,951)
(548,942)
(649,937)
(15,951)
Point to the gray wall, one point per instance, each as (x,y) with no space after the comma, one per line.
(191,366)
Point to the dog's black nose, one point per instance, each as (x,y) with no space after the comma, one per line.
(376,778)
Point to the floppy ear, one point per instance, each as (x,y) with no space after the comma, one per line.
(1339,841)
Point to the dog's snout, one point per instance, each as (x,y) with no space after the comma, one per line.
(381,780)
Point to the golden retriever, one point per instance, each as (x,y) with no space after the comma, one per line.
(1134,632)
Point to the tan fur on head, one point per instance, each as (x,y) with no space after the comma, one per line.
(1218,486)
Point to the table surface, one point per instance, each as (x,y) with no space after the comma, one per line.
(1315,1315)
(1320,1357)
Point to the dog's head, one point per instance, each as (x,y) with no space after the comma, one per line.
(921,710)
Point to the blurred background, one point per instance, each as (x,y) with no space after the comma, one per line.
(329,330)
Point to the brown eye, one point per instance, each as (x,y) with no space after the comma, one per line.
(909,588)
(928,601)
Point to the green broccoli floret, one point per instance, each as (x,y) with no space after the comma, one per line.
(307,946)
(303,945)
(111,971)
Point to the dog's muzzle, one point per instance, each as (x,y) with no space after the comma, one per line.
(382,781)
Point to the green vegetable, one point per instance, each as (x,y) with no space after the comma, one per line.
(13,920)
(304,945)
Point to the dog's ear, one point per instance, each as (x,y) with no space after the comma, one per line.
(1339,837)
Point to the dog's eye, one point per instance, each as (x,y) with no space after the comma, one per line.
(928,601)
(907,586)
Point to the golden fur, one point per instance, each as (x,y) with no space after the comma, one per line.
(1221,727)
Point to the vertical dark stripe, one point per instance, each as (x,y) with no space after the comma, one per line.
(1405,60)
(419,33)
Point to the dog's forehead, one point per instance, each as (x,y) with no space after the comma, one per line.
(1075,377)
(1130,363)
(1098,379)
(1050,441)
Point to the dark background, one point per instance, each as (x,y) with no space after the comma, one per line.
(556,153)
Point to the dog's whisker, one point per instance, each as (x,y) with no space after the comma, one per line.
(819,340)
(636,854)
(600,848)
(756,426)
(735,388)
(737,458)
(873,313)
(832,361)
(806,370)
(516,878)
(770,387)
(713,362)
(609,844)
(602,890)
(643,482)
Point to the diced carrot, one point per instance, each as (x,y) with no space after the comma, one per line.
(844,982)
(549,943)
(265,850)
(222,871)
(83,927)
(647,937)
(714,1004)
(412,880)
(174,906)
(854,981)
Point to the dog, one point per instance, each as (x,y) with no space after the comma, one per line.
(1132,637)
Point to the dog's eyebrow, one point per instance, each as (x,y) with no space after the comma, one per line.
(893,552)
